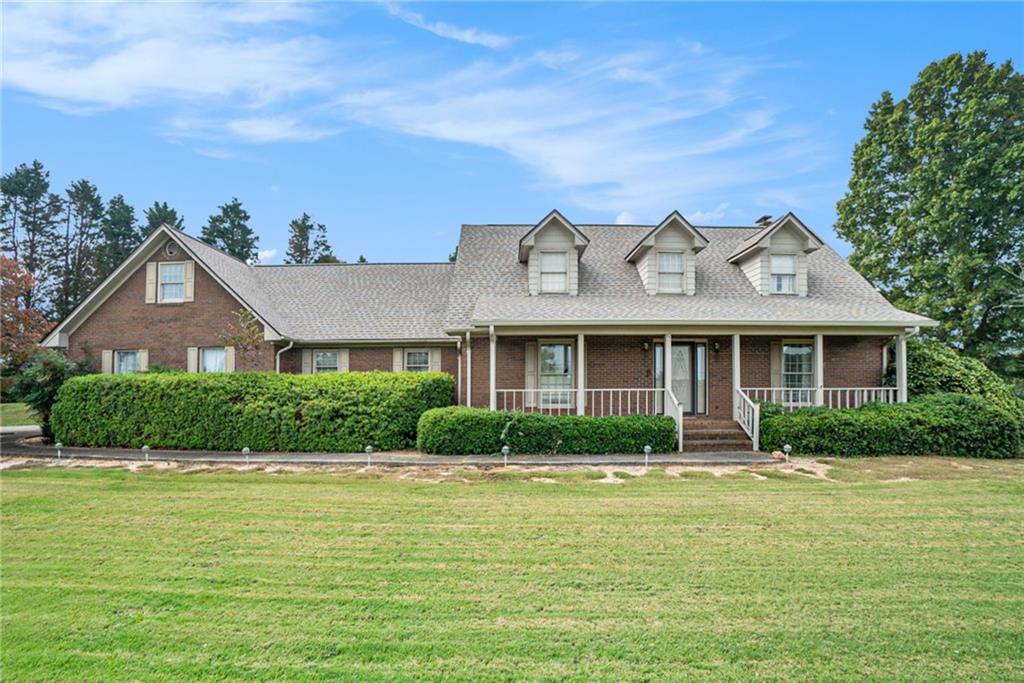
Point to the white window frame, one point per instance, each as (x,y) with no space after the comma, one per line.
(327,368)
(117,364)
(564,272)
(202,352)
(803,393)
(776,279)
(681,272)
(417,367)
(562,397)
(160,298)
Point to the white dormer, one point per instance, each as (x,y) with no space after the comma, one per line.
(665,256)
(774,259)
(551,251)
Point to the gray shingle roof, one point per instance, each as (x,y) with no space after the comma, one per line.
(490,285)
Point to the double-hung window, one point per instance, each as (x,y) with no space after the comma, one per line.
(172,282)
(417,360)
(670,271)
(554,277)
(797,373)
(325,361)
(556,376)
(212,359)
(783,273)
(126,362)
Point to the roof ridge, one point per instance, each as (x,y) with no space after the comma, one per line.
(381,263)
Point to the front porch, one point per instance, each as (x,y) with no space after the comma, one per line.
(715,382)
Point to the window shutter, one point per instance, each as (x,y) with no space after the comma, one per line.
(143,360)
(531,375)
(190,281)
(397,360)
(192,355)
(342,360)
(775,364)
(307,361)
(151,283)
(107,361)
(435,360)
(229,359)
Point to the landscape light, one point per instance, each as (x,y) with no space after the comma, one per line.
(59,446)
(504,452)
(647,454)
(245,452)
(787,449)
(145,453)
(369,452)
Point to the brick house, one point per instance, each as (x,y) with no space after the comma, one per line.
(701,323)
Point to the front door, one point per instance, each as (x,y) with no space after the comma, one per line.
(689,374)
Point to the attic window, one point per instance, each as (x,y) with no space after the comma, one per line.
(783,273)
(172,282)
(553,272)
(670,271)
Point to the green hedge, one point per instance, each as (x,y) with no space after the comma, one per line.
(937,424)
(471,431)
(338,412)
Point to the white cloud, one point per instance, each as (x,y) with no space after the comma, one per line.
(715,214)
(472,36)
(275,129)
(625,218)
(264,255)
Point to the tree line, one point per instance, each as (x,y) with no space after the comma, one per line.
(67,243)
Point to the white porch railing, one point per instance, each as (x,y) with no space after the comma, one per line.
(748,416)
(832,397)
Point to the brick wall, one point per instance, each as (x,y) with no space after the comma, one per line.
(850,361)
(125,321)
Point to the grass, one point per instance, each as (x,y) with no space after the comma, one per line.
(109,574)
(17,414)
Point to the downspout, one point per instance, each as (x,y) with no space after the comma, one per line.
(277,356)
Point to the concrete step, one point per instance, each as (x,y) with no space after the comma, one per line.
(713,445)
(715,434)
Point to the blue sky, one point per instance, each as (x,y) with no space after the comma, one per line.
(395,123)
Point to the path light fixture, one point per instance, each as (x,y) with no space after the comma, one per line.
(504,453)
(369,452)
(647,454)
(246,452)
(145,453)
(787,449)
(59,446)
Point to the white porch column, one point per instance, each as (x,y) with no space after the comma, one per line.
(492,370)
(735,376)
(901,368)
(819,369)
(669,409)
(581,377)
(469,370)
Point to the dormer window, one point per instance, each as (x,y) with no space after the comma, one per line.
(783,273)
(670,272)
(554,276)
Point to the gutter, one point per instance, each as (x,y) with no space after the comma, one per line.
(277,356)
(711,323)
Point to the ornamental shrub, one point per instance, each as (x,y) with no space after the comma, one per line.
(40,380)
(337,412)
(936,424)
(469,431)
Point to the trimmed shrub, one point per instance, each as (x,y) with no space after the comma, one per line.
(937,424)
(469,431)
(339,412)
(933,367)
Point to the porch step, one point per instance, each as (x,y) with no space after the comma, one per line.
(701,435)
(691,445)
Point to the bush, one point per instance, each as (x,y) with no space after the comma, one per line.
(933,367)
(40,381)
(468,431)
(937,424)
(338,412)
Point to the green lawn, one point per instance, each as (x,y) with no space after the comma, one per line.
(116,575)
(16,414)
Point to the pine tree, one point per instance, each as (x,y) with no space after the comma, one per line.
(361,259)
(29,219)
(307,242)
(162,214)
(119,235)
(77,276)
(229,231)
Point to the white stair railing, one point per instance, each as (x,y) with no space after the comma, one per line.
(831,397)
(748,416)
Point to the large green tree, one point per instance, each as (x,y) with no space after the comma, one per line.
(307,242)
(935,207)
(229,231)
(29,229)
(162,214)
(119,235)
(78,246)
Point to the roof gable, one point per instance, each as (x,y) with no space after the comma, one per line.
(760,239)
(553,218)
(673,219)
